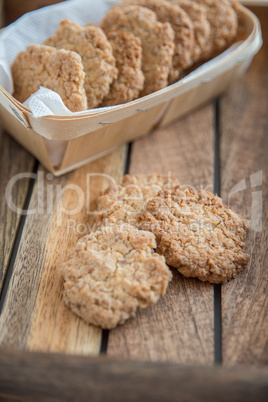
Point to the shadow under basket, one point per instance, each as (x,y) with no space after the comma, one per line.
(80,139)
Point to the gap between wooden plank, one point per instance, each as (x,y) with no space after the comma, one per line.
(217,288)
(104,341)
(14,161)
(34,316)
(14,250)
(244,173)
(179,327)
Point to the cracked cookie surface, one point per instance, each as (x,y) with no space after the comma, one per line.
(125,202)
(197,233)
(157,41)
(95,50)
(112,272)
(59,70)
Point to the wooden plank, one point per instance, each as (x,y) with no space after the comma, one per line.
(14,9)
(11,151)
(10,220)
(34,316)
(14,161)
(180,327)
(244,149)
(53,377)
(1,14)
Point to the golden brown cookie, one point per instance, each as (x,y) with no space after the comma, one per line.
(112,272)
(223,25)
(182,27)
(127,52)
(197,233)
(157,42)
(198,15)
(59,70)
(95,50)
(241,31)
(125,202)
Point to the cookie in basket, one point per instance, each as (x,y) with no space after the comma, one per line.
(182,27)
(125,202)
(112,272)
(223,25)
(198,15)
(157,40)
(128,55)
(197,233)
(95,50)
(59,70)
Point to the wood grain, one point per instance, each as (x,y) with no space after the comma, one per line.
(9,220)
(13,9)
(1,13)
(34,316)
(53,377)
(244,149)
(180,327)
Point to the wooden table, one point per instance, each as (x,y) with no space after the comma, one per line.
(200,342)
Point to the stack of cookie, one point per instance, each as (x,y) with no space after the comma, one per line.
(114,270)
(140,47)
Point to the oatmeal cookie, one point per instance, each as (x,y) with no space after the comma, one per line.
(128,55)
(59,70)
(223,25)
(241,30)
(112,272)
(125,202)
(95,50)
(182,27)
(197,233)
(198,15)
(157,40)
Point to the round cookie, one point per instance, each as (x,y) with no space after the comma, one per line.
(112,272)
(59,70)
(95,50)
(223,25)
(182,27)
(197,233)
(125,202)
(198,15)
(157,41)
(127,52)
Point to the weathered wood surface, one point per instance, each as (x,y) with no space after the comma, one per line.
(14,160)
(13,9)
(9,220)
(31,317)
(1,13)
(34,316)
(244,164)
(180,326)
(42,377)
